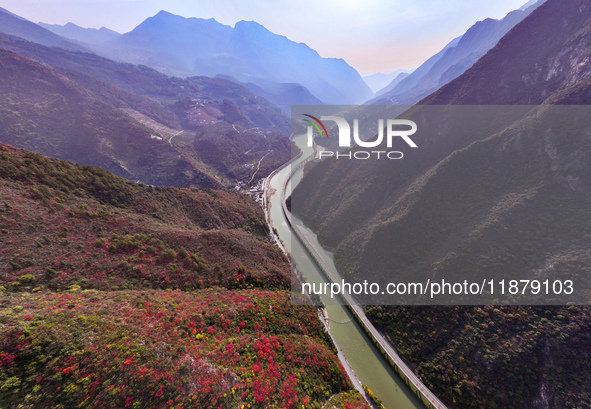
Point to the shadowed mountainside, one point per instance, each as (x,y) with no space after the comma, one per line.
(503,200)
(49,113)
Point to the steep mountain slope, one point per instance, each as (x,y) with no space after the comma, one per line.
(98,223)
(500,199)
(2,10)
(392,84)
(249,52)
(283,95)
(80,34)
(256,109)
(415,78)
(18,26)
(496,356)
(150,83)
(48,112)
(85,258)
(525,70)
(381,80)
(550,67)
(270,57)
(454,60)
(166,106)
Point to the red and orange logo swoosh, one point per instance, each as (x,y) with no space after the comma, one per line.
(315,125)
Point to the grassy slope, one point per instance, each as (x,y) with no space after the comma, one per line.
(65,224)
(224,333)
(496,357)
(214,348)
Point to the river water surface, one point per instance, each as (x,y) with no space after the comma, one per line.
(364,358)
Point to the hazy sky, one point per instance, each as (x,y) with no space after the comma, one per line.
(371,35)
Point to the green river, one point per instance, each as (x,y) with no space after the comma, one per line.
(364,358)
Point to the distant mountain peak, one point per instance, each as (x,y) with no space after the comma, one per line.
(12,14)
(12,24)
(168,16)
(246,26)
(248,51)
(81,34)
(164,13)
(250,23)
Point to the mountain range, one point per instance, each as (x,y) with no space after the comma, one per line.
(82,35)
(453,60)
(110,101)
(271,65)
(381,80)
(130,292)
(284,95)
(248,52)
(15,25)
(119,292)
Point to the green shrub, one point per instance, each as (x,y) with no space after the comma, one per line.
(167,255)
